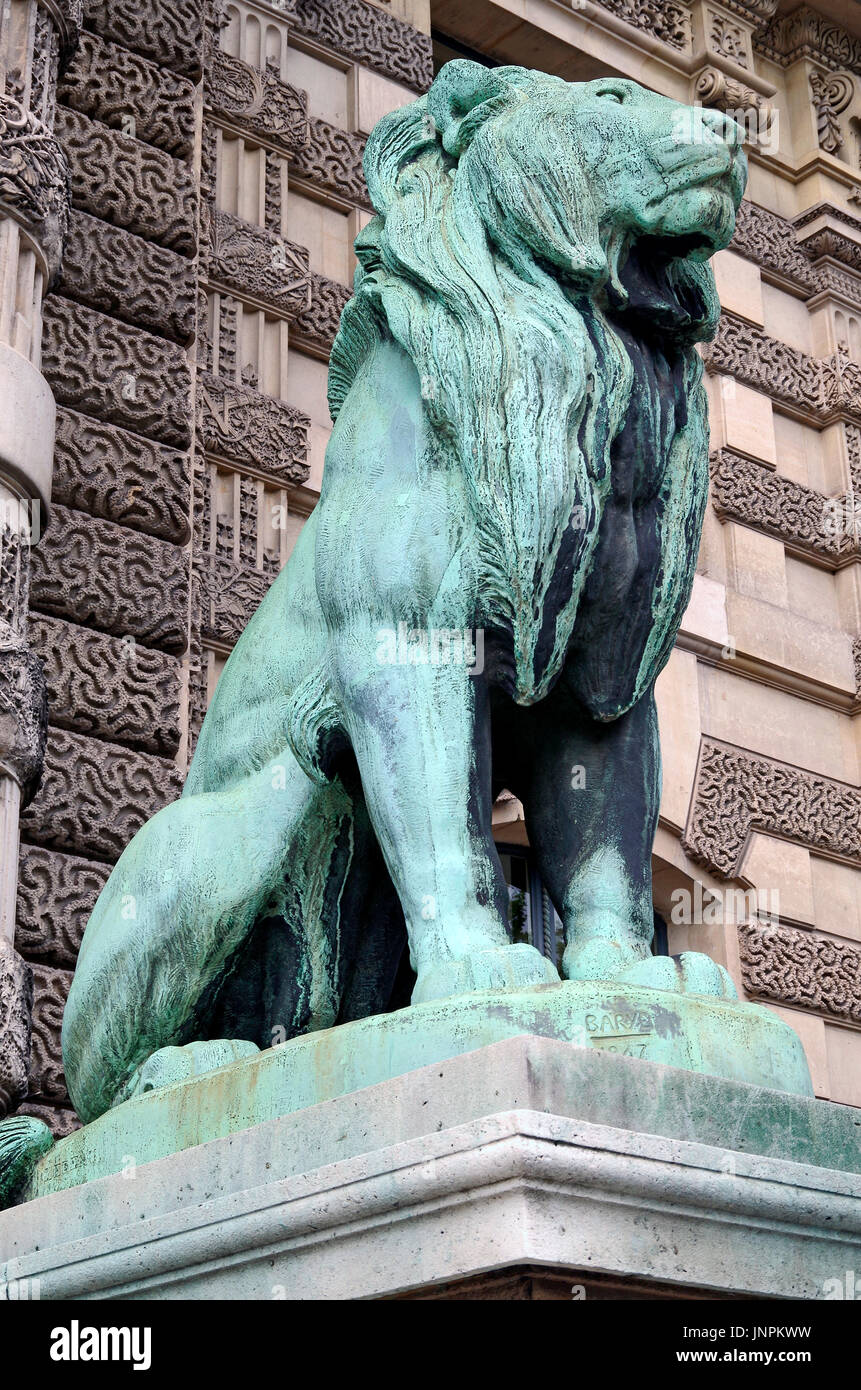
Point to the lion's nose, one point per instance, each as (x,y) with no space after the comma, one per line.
(723,126)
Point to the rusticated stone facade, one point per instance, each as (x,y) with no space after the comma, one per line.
(36,42)
(200,256)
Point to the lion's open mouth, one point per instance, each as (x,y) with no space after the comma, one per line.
(668,247)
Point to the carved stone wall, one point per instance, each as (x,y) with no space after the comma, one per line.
(36,40)
(110,586)
(180,446)
(737,792)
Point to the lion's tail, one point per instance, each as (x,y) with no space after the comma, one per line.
(23,1141)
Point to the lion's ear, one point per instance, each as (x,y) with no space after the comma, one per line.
(466,94)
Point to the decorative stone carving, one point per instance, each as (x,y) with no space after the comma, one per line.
(130,94)
(772,242)
(230,594)
(856,655)
(34,179)
(332,158)
(807,34)
(129,278)
(23,714)
(44,67)
(821,390)
(852,435)
(714,88)
(801,968)
(109,687)
(760,10)
(16,1003)
(785,373)
(755,495)
(668,21)
(121,477)
(828,240)
(318,324)
(737,792)
(727,39)
(60,1120)
(117,373)
(14,579)
(50,991)
(397,50)
(831,95)
(128,183)
(257,101)
(254,262)
(275,171)
(95,796)
(170,32)
(93,572)
(246,427)
(56,894)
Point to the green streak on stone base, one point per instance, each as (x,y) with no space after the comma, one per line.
(742,1042)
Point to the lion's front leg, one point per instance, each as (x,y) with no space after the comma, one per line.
(421,737)
(591,793)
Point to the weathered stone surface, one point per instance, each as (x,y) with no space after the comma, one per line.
(737,792)
(801,968)
(332,158)
(170,32)
(126,182)
(96,795)
(801,517)
(120,374)
(34,177)
(50,991)
(131,279)
(259,264)
(772,242)
(23,714)
(121,477)
(247,427)
(230,594)
(258,102)
(59,1120)
(95,572)
(56,894)
(14,578)
(819,389)
(16,1001)
(318,324)
(130,94)
(110,687)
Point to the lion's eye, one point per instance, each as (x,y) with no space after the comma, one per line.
(612,96)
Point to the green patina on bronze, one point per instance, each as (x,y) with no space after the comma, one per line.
(520,451)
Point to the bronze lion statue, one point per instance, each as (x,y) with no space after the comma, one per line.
(519,453)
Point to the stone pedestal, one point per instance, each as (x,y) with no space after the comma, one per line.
(526,1154)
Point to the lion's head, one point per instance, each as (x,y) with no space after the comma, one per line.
(520,219)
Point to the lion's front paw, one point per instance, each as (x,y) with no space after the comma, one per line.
(690,973)
(501,967)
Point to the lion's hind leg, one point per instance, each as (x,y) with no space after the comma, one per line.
(176,908)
